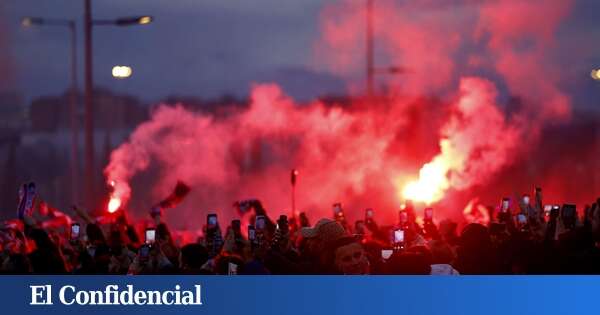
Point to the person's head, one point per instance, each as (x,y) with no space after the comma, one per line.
(349,257)
(595,220)
(476,253)
(42,240)
(441,253)
(16,264)
(448,231)
(193,257)
(475,236)
(315,238)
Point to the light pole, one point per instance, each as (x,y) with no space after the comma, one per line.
(370,54)
(89,83)
(294,177)
(73,108)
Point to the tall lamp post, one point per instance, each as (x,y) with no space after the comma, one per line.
(89,105)
(73,108)
(370,54)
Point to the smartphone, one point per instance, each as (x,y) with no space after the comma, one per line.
(505,204)
(521,218)
(403,217)
(211,221)
(144,252)
(260,222)
(399,236)
(386,253)
(91,250)
(526,199)
(428,214)
(369,213)
(232,269)
(75,231)
(251,233)
(569,215)
(555,211)
(150,236)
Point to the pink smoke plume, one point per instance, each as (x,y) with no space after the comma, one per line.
(339,153)
(364,155)
(476,142)
(447,42)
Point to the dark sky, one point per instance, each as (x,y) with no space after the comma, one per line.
(201,48)
(207,48)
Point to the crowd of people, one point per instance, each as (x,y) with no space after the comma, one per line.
(526,237)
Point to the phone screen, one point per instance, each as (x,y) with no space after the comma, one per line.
(505,204)
(260,222)
(521,218)
(144,252)
(91,250)
(251,234)
(547,208)
(74,231)
(526,200)
(232,269)
(399,236)
(211,220)
(150,236)
(386,253)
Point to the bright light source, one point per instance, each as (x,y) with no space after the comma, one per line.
(114,204)
(121,72)
(595,74)
(145,20)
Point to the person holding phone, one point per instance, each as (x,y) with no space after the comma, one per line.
(214,241)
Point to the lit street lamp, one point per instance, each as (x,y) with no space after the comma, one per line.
(595,74)
(89,106)
(121,72)
(70,24)
(370,54)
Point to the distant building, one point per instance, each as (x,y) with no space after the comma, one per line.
(13,114)
(52,113)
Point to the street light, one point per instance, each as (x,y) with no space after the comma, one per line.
(70,24)
(370,54)
(126,21)
(595,74)
(121,72)
(89,106)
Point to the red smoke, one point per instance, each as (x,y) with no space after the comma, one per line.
(341,154)
(362,155)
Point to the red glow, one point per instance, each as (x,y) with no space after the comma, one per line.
(368,155)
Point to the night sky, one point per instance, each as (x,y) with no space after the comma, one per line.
(212,47)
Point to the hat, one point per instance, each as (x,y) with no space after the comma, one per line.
(325,230)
